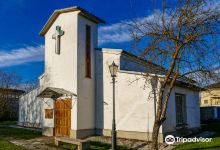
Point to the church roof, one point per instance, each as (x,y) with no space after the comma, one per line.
(56,13)
(51,92)
(155,69)
(215,85)
(181,82)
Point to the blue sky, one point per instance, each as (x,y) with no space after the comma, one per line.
(21,47)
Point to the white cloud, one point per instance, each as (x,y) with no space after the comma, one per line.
(115,33)
(21,56)
(217,70)
(119,32)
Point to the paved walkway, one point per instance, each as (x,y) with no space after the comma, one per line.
(42,143)
(47,143)
(135,144)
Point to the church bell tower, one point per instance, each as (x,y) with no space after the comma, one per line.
(71,36)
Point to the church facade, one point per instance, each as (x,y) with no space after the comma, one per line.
(74,98)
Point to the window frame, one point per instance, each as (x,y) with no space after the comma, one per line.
(88,67)
(48,113)
(206,101)
(181,121)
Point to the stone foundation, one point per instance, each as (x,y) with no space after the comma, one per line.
(144,136)
(83,133)
(133,135)
(48,131)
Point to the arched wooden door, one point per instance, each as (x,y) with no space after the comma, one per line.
(62,117)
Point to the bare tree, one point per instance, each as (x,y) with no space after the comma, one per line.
(184,41)
(9,79)
(28,86)
(9,82)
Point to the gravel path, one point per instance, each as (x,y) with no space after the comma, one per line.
(42,143)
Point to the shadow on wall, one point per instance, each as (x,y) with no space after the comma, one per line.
(30,110)
(151,83)
(99,103)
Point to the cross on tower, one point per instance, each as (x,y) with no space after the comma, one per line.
(58,33)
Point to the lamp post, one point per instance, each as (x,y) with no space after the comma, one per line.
(113,68)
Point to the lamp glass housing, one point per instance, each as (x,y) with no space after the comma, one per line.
(113,68)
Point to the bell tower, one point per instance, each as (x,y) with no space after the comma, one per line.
(71,37)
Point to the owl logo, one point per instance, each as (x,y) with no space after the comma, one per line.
(170,139)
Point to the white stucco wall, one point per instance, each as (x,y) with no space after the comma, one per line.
(30,109)
(67,70)
(135,107)
(192,109)
(85,86)
(47,104)
(61,70)
(134,97)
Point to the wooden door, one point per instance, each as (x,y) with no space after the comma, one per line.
(62,117)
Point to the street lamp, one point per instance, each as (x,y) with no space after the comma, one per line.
(113,68)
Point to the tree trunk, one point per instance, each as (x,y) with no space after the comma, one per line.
(155,134)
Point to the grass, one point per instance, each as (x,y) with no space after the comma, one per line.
(5,145)
(214,144)
(99,146)
(8,123)
(18,133)
(15,133)
(67,146)
(104,146)
(8,132)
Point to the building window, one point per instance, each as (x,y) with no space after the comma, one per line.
(88,52)
(205,101)
(48,113)
(180,109)
(218,101)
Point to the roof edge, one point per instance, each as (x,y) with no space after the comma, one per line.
(213,86)
(57,12)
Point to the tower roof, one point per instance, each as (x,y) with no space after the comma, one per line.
(56,13)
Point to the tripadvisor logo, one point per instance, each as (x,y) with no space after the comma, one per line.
(170,139)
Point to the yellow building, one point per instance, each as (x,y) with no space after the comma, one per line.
(210,103)
(211,96)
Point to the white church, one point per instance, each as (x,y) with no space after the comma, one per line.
(74,98)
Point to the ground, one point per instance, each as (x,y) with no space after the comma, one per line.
(7,134)
(215,144)
(10,137)
(28,139)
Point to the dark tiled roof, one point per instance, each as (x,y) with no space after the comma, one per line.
(181,82)
(215,85)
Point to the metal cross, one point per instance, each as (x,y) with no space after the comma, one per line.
(58,33)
